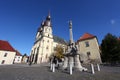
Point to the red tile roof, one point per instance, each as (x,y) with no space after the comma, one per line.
(18,53)
(86,36)
(4,45)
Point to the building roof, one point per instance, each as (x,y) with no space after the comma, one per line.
(86,36)
(59,40)
(5,45)
(18,53)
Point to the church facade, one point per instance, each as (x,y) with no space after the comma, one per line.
(45,42)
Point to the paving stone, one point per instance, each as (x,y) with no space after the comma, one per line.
(42,72)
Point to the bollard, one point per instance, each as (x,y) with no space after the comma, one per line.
(53,67)
(98,67)
(93,71)
(70,69)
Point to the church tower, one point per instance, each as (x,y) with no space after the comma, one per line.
(45,30)
(42,47)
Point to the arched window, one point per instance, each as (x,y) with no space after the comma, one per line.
(47,47)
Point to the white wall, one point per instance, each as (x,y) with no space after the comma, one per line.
(9,58)
(18,59)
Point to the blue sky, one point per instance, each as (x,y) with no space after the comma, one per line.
(19,19)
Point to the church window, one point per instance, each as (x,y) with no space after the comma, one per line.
(31,51)
(48,41)
(34,50)
(37,49)
(48,35)
(87,44)
(47,47)
(41,59)
(32,57)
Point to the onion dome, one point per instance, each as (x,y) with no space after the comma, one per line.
(48,21)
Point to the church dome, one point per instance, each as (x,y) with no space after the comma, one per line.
(48,21)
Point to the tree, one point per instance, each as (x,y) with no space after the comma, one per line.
(110,49)
(59,52)
(25,54)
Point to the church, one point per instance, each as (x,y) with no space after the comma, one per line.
(45,43)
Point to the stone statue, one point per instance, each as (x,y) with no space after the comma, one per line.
(72,54)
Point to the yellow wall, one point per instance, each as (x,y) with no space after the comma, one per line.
(93,49)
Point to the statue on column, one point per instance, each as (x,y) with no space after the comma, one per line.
(72,54)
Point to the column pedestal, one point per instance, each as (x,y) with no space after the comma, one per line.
(65,64)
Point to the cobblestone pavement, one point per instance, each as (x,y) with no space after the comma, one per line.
(42,72)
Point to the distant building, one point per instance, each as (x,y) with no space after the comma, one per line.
(7,53)
(24,58)
(89,48)
(18,57)
(45,42)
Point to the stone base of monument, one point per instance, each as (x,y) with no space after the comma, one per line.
(65,64)
(74,62)
(78,65)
